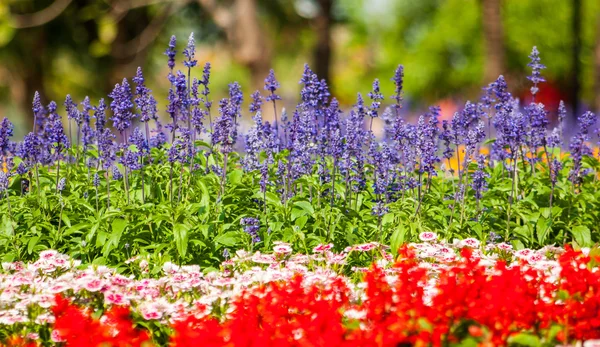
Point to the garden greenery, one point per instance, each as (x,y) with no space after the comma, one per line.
(116,182)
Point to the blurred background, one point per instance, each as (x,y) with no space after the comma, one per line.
(449,48)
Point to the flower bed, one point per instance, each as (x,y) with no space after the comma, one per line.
(433,293)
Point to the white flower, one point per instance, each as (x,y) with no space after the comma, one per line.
(427,236)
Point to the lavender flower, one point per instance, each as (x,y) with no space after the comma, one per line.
(272,85)
(144,100)
(379,209)
(54,131)
(398,83)
(29,149)
(189,52)
(256,103)
(479,183)
(3,181)
(205,77)
(536,68)
(121,107)
(224,132)
(100,115)
(38,112)
(61,184)
(6,132)
(376,98)
(116,173)
(71,108)
(107,148)
(251,227)
(96,180)
(170,52)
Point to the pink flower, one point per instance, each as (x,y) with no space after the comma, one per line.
(56,337)
(365,247)
(470,242)
(93,285)
(283,249)
(113,298)
(504,246)
(48,254)
(151,313)
(322,248)
(427,236)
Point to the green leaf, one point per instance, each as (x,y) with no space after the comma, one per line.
(524,339)
(32,243)
(306,206)
(180,233)
(582,235)
(227,240)
(397,239)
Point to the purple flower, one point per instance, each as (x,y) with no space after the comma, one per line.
(121,106)
(264,177)
(256,102)
(537,125)
(116,173)
(236,97)
(96,180)
(29,149)
(253,145)
(54,131)
(38,111)
(271,85)
(251,227)
(3,181)
(100,115)
(398,83)
(224,131)
(137,139)
(376,98)
(379,209)
(536,68)
(479,183)
(61,184)
(189,52)
(107,148)
(71,108)
(144,100)
(447,136)
(6,132)
(170,52)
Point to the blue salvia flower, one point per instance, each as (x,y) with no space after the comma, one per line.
(29,149)
(578,146)
(256,103)
(182,102)
(236,97)
(310,91)
(96,180)
(159,138)
(447,136)
(138,139)
(6,132)
(107,148)
(116,173)
(478,178)
(251,227)
(538,122)
(254,144)
(3,182)
(71,108)
(271,85)
(131,160)
(562,112)
(536,68)
(87,132)
(22,168)
(197,113)
(172,111)
(503,97)
(264,177)
(379,209)
(170,52)
(55,133)
(121,107)
(38,112)
(398,80)
(224,132)
(205,81)
(376,97)
(100,115)
(189,52)
(144,101)
(61,184)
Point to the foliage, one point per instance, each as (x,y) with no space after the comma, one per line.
(185,192)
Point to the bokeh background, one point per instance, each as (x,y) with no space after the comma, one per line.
(449,48)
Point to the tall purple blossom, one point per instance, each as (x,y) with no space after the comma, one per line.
(536,70)
(398,80)
(121,107)
(256,103)
(189,52)
(6,132)
(170,53)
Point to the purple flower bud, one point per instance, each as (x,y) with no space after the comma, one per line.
(170,52)
(189,52)
(272,85)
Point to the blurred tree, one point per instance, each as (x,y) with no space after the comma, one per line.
(493,33)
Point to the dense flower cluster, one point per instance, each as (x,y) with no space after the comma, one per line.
(432,293)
